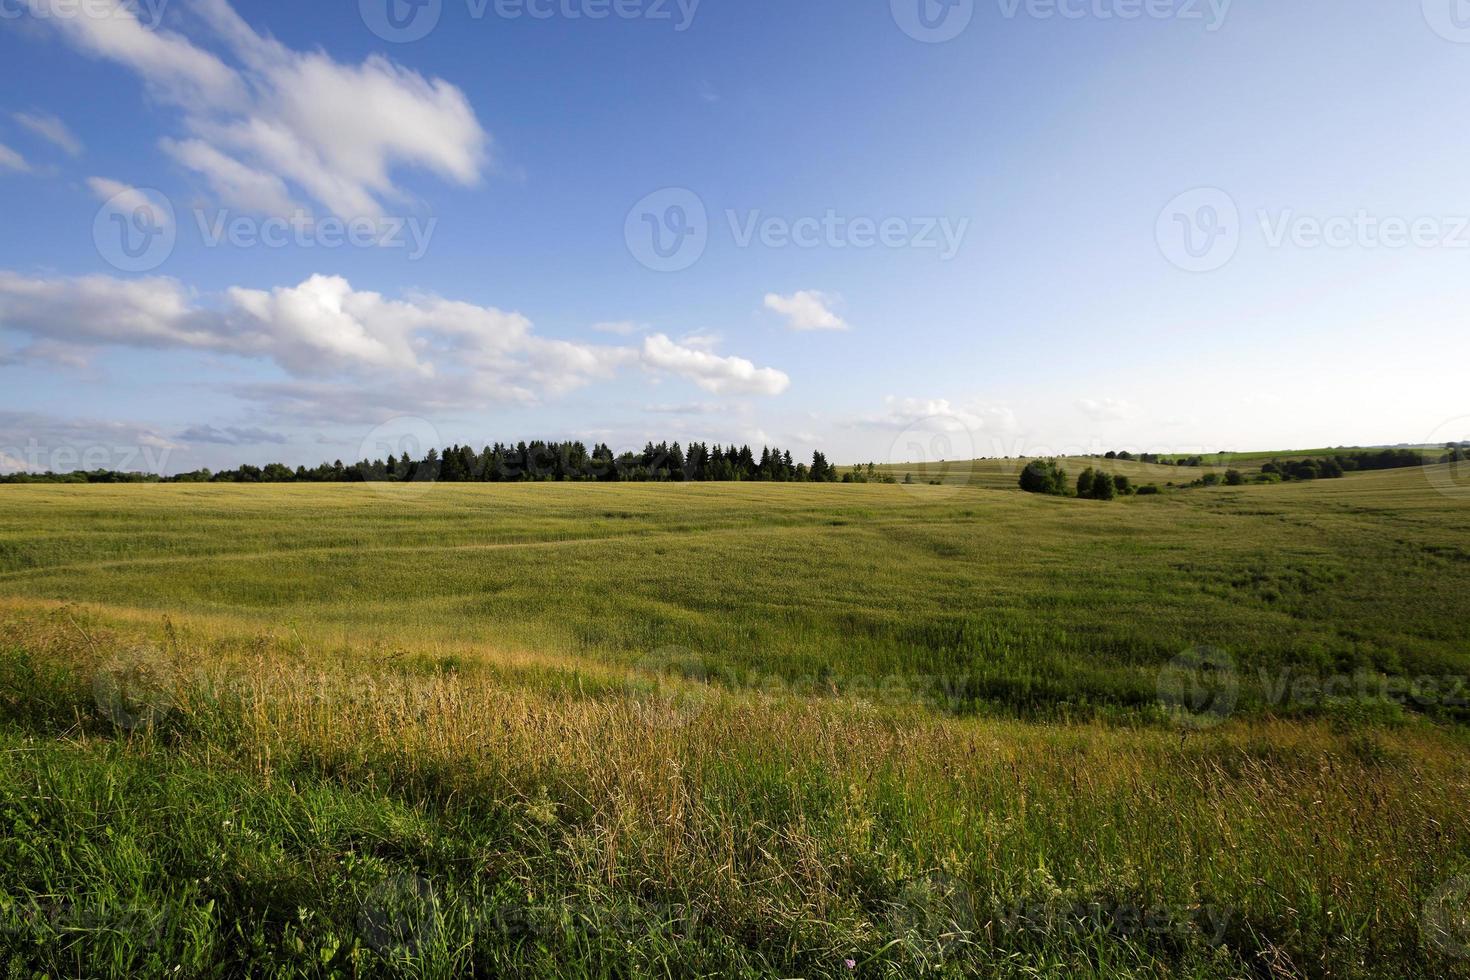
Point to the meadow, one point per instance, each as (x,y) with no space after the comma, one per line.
(737,729)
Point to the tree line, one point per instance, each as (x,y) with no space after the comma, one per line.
(506,463)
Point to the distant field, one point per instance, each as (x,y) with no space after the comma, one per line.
(1003,474)
(1431,453)
(744,729)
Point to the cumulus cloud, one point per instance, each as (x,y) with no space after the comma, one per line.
(348,349)
(11,160)
(713,373)
(50,128)
(276,116)
(806,310)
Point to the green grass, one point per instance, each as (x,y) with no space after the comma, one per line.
(736,730)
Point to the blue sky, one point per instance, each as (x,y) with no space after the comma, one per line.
(991,217)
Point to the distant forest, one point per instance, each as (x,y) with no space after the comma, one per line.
(519,463)
(663,463)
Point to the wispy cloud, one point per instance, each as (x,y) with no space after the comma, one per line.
(271,117)
(11,160)
(231,436)
(50,128)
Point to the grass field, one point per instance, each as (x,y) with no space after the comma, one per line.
(749,730)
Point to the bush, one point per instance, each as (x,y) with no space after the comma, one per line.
(1234,478)
(1149,490)
(1044,476)
(1084,483)
(1097,485)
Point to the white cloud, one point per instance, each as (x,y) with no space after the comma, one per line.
(939,414)
(11,160)
(349,350)
(701,341)
(235,184)
(173,68)
(50,128)
(713,373)
(620,328)
(807,310)
(127,199)
(335,131)
(1106,409)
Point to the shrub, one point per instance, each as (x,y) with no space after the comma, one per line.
(1044,476)
(1234,478)
(1085,482)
